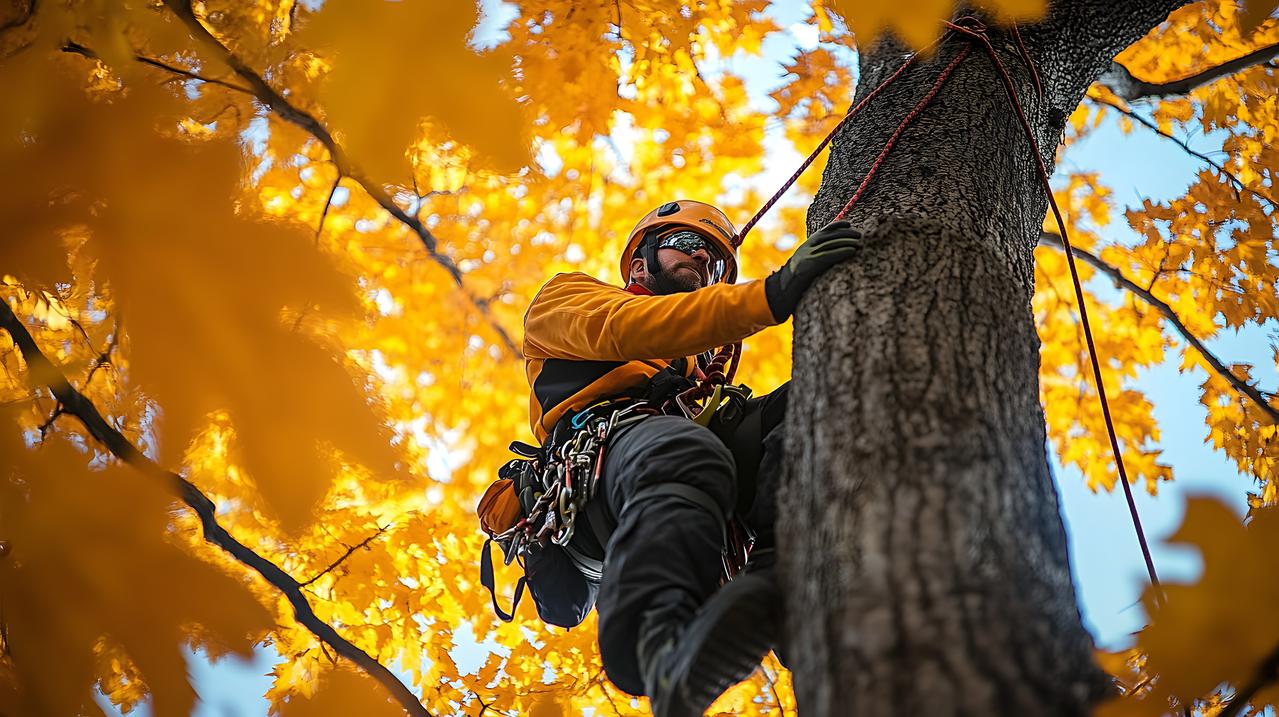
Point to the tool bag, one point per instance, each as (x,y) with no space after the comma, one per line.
(532,511)
(500,512)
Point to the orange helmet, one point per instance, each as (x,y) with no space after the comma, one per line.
(699,217)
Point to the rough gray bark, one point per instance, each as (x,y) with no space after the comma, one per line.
(920,535)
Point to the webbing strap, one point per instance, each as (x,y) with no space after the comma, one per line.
(488,581)
(696,496)
(590,568)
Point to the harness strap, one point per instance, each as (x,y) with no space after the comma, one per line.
(590,568)
(488,581)
(684,491)
(601,523)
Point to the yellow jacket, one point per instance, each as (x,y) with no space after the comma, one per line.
(585,340)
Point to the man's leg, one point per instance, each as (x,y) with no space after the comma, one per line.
(665,628)
(669,482)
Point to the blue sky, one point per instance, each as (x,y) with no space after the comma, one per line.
(1105,557)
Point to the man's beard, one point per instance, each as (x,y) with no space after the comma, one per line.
(674,281)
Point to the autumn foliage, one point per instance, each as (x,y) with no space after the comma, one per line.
(284,248)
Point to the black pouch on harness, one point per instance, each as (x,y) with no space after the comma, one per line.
(665,384)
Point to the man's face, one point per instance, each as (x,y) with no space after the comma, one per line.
(680,271)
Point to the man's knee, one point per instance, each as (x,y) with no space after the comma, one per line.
(669,449)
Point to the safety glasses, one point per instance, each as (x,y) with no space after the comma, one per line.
(688,242)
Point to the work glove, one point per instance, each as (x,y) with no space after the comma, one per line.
(824,248)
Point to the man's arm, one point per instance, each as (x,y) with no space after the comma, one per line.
(578,317)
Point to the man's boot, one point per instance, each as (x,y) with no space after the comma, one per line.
(687,666)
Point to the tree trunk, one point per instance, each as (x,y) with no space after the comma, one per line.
(920,535)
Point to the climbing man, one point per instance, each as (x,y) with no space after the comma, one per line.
(649,549)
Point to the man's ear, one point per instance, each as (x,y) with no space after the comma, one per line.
(639,270)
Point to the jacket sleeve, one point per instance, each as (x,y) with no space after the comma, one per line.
(578,317)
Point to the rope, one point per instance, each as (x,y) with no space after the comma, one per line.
(976,30)
(906,122)
(746,228)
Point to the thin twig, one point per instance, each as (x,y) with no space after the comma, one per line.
(18,401)
(1240,186)
(1267,673)
(1122,82)
(349,551)
(1243,387)
(285,110)
(608,695)
(327,204)
(772,686)
(76,404)
(104,358)
(58,410)
(77,49)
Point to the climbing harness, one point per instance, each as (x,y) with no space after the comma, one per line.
(539,495)
(553,485)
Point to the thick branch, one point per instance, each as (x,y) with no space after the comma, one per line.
(282,107)
(1122,83)
(75,403)
(21,19)
(1143,121)
(1243,387)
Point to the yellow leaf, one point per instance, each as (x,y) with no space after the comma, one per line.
(1222,628)
(89,560)
(1255,12)
(377,94)
(920,22)
(344,692)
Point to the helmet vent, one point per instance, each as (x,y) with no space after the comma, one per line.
(668,209)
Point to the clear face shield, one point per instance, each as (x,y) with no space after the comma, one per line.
(688,242)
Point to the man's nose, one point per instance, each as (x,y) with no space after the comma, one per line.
(702,256)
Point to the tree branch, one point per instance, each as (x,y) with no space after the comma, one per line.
(75,403)
(1243,387)
(319,230)
(76,48)
(104,358)
(285,110)
(608,695)
(1267,673)
(1239,185)
(1122,83)
(20,19)
(772,686)
(349,551)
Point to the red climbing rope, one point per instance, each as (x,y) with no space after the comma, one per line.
(976,31)
(901,128)
(741,236)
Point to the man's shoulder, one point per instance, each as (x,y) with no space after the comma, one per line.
(564,287)
(578,277)
(574,281)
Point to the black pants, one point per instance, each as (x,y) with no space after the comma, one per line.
(664,554)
